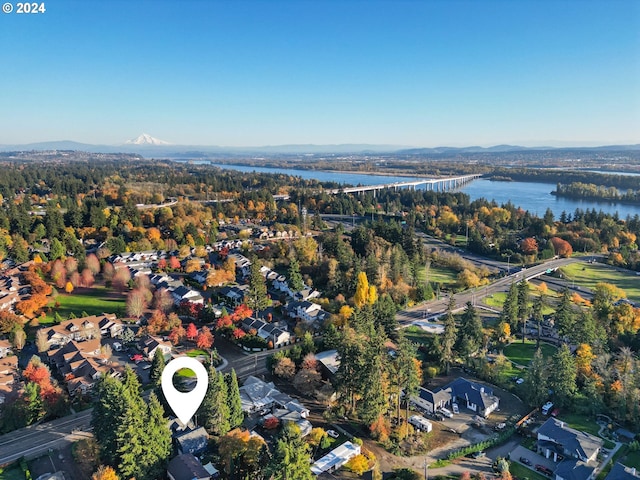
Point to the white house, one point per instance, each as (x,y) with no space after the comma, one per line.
(336,458)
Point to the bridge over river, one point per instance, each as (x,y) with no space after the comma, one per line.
(437,184)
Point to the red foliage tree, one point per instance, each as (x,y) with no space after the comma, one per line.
(271,423)
(192,331)
(224,322)
(157,322)
(162,264)
(174,263)
(121,279)
(238,333)
(108,271)
(205,338)
(241,312)
(561,247)
(529,246)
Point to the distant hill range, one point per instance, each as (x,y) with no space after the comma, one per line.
(149,146)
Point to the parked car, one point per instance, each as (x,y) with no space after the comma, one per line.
(437,416)
(478,454)
(519,381)
(333,433)
(454,407)
(544,470)
(525,461)
(447,413)
(136,357)
(546,408)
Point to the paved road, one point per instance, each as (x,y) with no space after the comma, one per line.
(436,308)
(36,440)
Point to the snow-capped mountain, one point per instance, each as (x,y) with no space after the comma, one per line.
(146,139)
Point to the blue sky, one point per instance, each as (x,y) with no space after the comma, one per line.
(237,73)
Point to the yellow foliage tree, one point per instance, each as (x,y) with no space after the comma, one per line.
(358,464)
(362,290)
(584,357)
(104,473)
(345,314)
(543,288)
(68,287)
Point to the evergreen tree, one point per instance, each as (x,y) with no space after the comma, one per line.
(157,366)
(470,332)
(384,313)
(373,380)
(537,317)
(290,460)
(565,316)
(536,380)
(405,374)
(523,307)
(233,400)
(448,338)
(158,444)
(510,308)
(106,413)
(214,410)
(295,278)
(257,299)
(563,376)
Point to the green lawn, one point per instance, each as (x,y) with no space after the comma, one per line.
(94,301)
(632,460)
(580,422)
(522,353)
(520,471)
(588,274)
(445,276)
(197,352)
(497,300)
(13,472)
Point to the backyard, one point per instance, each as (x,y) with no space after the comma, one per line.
(522,353)
(92,301)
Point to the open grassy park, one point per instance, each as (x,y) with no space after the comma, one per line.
(588,274)
(497,300)
(93,301)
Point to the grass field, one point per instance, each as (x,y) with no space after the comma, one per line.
(94,301)
(497,300)
(632,460)
(522,354)
(588,274)
(444,276)
(520,471)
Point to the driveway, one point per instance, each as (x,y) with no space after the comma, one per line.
(535,459)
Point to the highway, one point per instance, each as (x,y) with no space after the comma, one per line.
(437,307)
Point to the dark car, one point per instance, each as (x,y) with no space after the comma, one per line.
(525,461)
(544,470)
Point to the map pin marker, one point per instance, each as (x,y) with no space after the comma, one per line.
(184,404)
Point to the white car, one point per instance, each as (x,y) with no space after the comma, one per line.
(445,412)
(454,407)
(546,408)
(333,433)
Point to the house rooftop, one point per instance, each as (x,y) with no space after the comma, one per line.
(579,444)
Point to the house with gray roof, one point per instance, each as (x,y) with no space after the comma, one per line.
(556,438)
(191,441)
(186,467)
(474,396)
(622,472)
(430,401)
(572,469)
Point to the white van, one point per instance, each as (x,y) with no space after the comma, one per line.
(546,408)
(445,412)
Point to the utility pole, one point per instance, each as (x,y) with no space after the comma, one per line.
(508,265)
(426,470)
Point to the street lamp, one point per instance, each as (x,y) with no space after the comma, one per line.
(508,264)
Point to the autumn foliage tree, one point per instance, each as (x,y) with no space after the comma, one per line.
(192,331)
(529,246)
(561,247)
(136,303)
(204,338)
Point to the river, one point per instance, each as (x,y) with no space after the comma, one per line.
(534,197)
